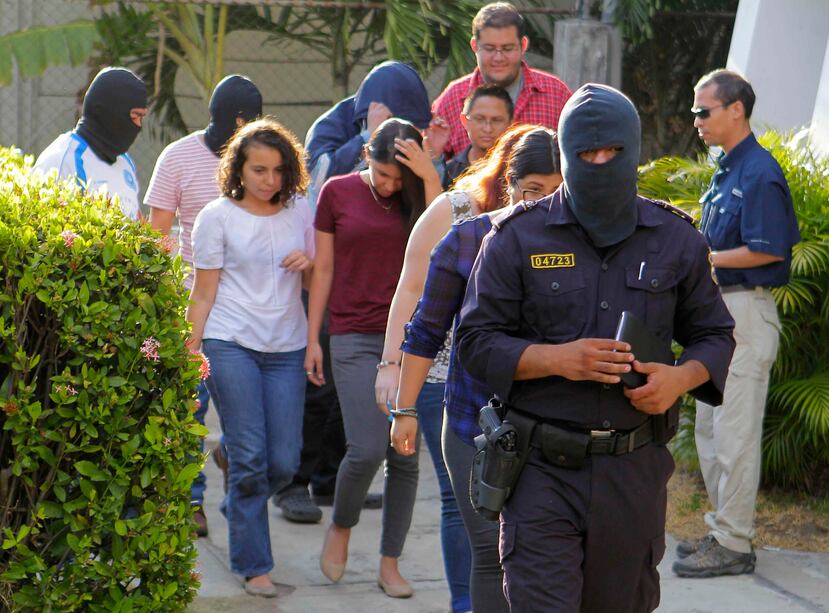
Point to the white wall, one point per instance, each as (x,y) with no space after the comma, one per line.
(820,119)
(780,46)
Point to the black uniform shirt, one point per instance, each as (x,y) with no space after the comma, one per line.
(539,279)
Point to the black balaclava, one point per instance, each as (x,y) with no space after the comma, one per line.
(601,196)
(105,123)
(234,96)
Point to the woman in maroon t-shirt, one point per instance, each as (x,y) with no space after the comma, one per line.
(362,225)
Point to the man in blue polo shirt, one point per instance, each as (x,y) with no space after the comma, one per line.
(749,222)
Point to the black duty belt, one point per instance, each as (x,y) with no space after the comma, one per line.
(603,442)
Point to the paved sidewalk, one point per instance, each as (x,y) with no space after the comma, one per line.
(784,580)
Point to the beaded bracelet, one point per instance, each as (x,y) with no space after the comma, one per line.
(405,412)
(384,363)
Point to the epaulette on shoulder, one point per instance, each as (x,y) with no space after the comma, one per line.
(511,213)
(673,209)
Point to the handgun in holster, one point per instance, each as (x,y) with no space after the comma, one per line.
(501,450)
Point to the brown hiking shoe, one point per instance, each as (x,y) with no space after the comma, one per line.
(691,546)
(715,560)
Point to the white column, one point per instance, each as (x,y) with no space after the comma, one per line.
(780,46)
(820,118)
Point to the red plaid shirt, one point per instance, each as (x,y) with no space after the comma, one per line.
(540,100)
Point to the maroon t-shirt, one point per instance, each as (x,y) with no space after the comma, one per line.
(369,245)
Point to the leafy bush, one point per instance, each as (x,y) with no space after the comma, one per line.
(98,445)
(796,429)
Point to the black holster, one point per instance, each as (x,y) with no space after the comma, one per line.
(502,449)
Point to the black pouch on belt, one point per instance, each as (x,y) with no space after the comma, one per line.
(564,448)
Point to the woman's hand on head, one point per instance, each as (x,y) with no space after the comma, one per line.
(413,156)
(296,261)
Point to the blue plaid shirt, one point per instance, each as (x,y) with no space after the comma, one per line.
(443,292)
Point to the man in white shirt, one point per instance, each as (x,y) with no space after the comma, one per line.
(95,152)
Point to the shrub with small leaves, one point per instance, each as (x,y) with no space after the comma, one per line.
(98,443)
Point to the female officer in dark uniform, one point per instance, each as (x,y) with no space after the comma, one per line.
(585,527)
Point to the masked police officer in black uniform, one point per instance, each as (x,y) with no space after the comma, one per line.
(585,527)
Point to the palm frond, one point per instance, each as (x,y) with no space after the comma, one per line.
(808,401)
(36,49)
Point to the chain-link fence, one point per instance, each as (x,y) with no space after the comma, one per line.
(302,55)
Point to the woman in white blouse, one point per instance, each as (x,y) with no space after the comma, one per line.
(252,251)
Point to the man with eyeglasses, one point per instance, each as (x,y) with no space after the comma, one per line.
(487,113)
(749,222)
(499,43)
(95,152)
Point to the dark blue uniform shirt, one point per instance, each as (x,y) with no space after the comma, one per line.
(748,203)
(539,279)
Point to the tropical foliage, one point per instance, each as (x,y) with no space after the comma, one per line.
(98,443)
(666,52)
(35,49)
(796,434)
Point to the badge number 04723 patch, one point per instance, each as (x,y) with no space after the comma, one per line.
(553,260)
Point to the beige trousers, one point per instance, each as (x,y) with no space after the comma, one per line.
(729,436)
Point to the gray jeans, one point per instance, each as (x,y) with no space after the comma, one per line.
(486,584)
(354,359)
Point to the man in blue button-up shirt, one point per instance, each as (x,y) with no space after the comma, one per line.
(749,222)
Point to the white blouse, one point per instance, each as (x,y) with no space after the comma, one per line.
(258,303)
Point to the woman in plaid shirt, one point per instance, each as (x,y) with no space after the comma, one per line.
(533,171)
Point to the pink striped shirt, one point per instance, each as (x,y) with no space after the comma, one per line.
(183,182)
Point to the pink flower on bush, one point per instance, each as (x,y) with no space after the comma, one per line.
(167,244)
(204,367)
(150,348)
(68,237)
(68,389)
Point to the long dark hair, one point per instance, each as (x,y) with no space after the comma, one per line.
(381,149)
(265,132)
(536,152)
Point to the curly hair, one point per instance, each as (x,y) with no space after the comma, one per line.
(265,132)
(485,179)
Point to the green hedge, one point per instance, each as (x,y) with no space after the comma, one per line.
(796,430)
(98,444)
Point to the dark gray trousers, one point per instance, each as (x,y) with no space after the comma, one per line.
(354,359)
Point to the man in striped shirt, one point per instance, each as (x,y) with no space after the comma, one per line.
(499,43)
(184,181)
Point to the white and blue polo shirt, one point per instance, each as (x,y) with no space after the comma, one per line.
(72,156)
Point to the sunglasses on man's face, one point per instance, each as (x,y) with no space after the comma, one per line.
(701,112)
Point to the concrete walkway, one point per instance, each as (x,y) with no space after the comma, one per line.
(784,580)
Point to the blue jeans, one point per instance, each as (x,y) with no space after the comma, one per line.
(457,557)
(259,398)
(200,482)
